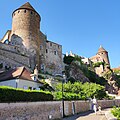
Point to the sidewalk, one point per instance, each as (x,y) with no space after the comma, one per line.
(92,116)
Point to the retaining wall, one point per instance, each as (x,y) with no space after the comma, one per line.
(42,110)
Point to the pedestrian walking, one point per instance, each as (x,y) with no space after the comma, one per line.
(94,104)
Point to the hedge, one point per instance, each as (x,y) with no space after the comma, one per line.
(9,94)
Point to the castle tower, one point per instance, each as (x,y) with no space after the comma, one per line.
(104,55)
(26,25)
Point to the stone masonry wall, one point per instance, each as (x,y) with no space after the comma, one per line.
(53,57)
(16,57)
(29,111)
(41,110)
(82,106)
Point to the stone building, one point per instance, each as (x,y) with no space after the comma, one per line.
(101,57)
(26,45)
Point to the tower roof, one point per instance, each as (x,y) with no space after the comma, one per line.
(27,6)
(101,49)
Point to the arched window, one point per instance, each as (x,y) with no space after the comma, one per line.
(6,41)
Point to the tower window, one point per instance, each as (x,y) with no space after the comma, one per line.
(31,12)
(55,52)
(46,50)
(18,11)
(40,47)
(50,44)
(24,11)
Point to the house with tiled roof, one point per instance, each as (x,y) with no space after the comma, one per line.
(19,78)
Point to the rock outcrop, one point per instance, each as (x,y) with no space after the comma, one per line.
(75,72)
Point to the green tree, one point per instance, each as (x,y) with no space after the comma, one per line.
(78,90)
(68,59)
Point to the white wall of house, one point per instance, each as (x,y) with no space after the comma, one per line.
(27,84)
(11,83)
(19,83)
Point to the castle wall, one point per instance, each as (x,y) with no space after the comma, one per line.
(53,57)
(15,49)
(15,57)
(99,70)
(42,48)
(105,57)
(10,56)
(28,45)
(9,63)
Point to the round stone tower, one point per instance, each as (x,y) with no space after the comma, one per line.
(26,25)
(104,54)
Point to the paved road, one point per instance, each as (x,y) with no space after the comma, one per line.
(88,116)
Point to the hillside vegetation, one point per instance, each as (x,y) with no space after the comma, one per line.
(77,70)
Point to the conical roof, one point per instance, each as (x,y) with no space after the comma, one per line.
(27,6)
(101,49)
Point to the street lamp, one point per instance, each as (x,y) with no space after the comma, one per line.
(64,79)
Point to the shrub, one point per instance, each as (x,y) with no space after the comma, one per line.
(116,112)
(9,94)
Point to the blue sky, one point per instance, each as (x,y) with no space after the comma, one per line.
(78,25)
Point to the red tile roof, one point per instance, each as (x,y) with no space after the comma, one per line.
(20,72)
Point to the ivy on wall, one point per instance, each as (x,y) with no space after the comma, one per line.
(97,64)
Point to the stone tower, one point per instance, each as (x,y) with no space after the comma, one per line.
(26,25)
(104,55)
